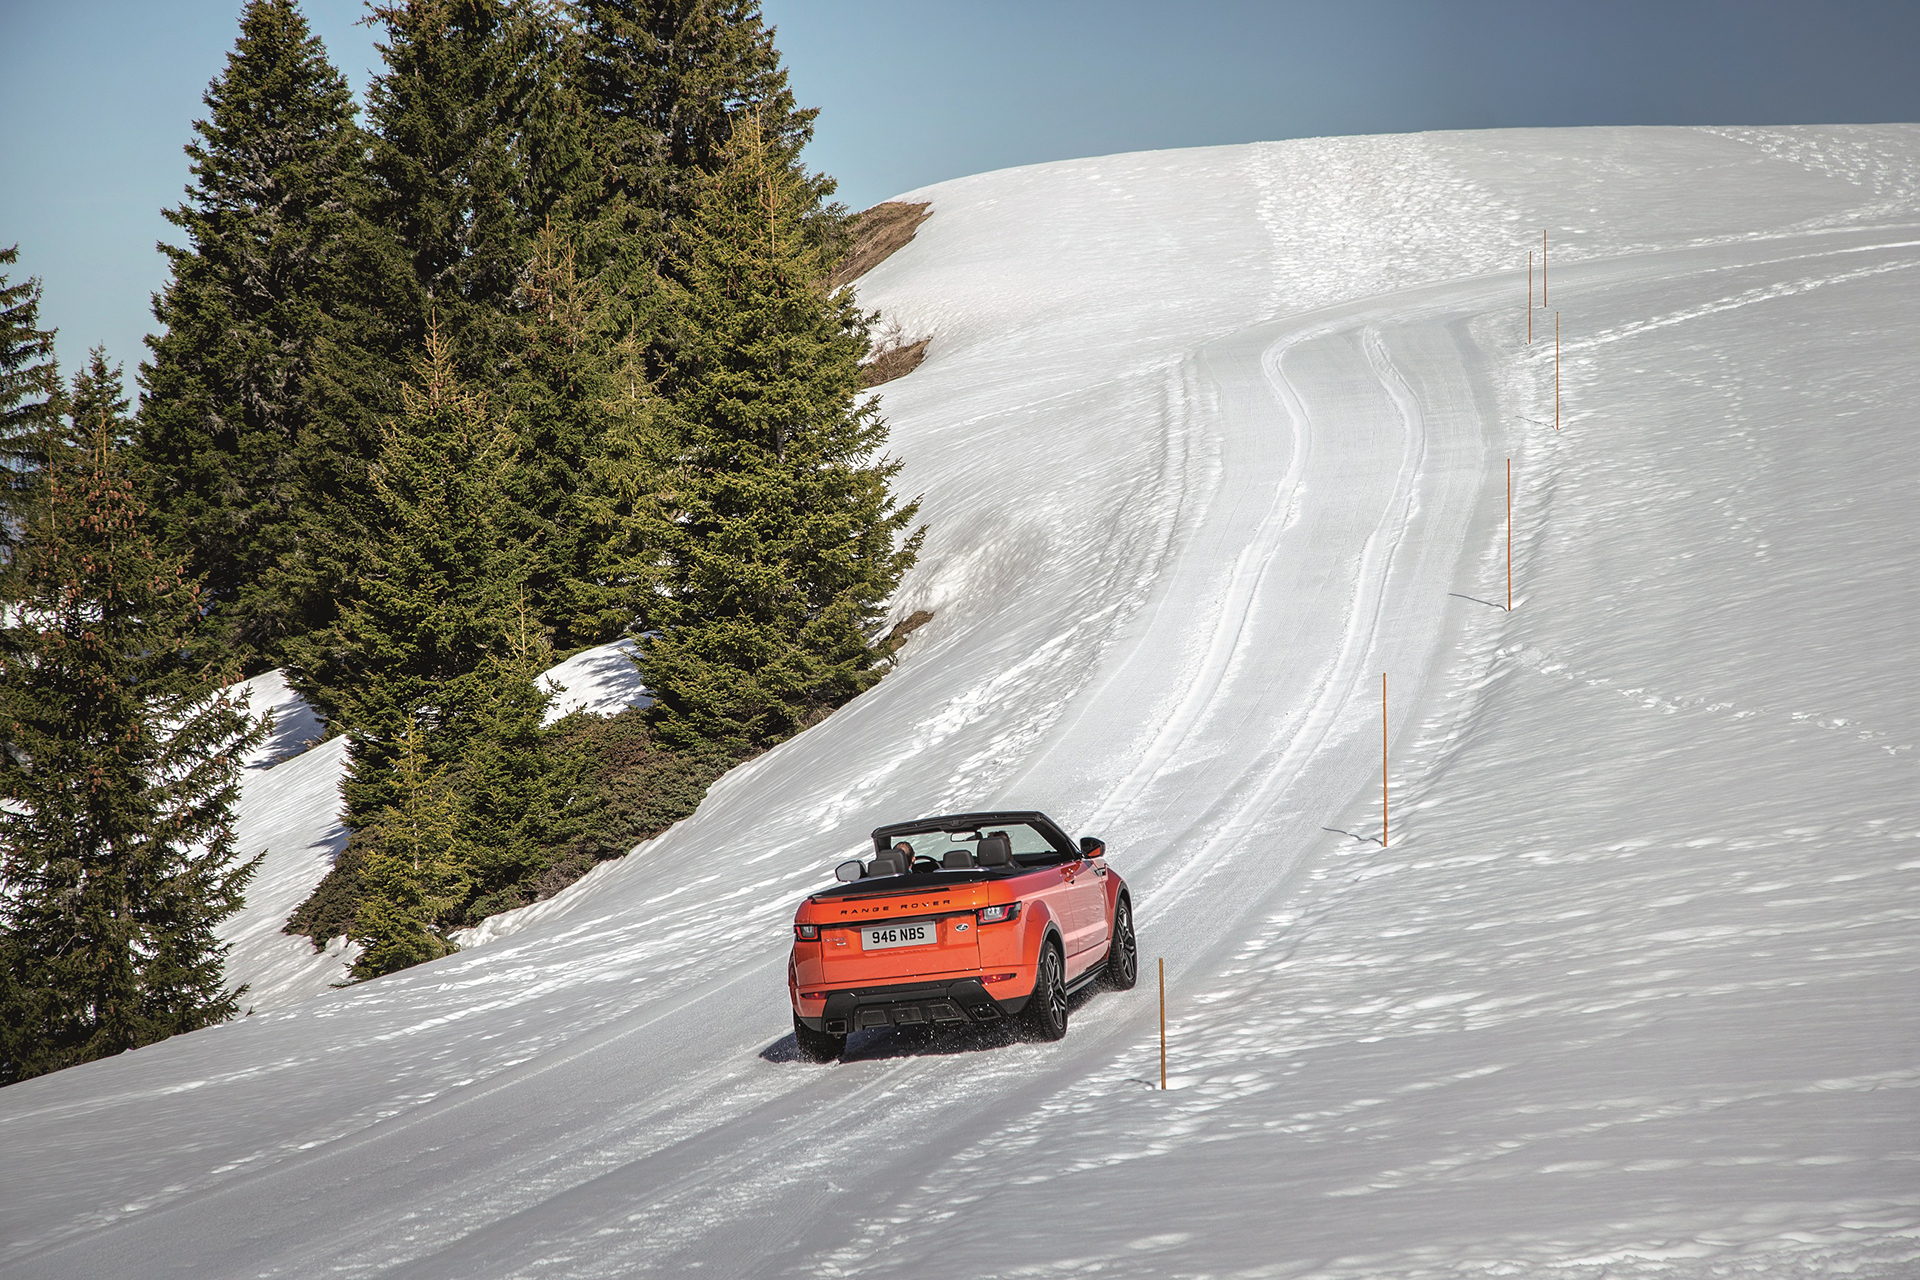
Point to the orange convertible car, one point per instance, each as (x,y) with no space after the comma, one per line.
(972,917)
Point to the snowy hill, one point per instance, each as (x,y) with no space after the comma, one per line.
(1209,440)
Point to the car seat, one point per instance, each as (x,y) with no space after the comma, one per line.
(995,850)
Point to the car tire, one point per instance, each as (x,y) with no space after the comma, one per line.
(1046,1012)
(817,1046)
(1123,953)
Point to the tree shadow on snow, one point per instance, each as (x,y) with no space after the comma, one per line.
(296,727)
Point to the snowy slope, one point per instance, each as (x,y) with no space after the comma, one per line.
(289,815)
(1208,441)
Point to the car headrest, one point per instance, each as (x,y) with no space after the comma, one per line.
(995,850)
(886,864)
(956,860)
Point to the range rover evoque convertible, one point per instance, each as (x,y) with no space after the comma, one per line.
(966,918)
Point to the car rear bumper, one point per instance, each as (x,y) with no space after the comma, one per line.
(945,1003)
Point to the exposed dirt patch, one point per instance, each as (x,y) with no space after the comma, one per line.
(893,362)
(907,625)
(877,233)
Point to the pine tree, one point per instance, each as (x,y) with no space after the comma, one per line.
(263,385)
(96,407)
(782,542)
(583,417)
(664,83)
(453,178)
(436,652)
(29,393)
(560,176)
(518,787)
(618,564)
(413,873)
(436,583)
(119,770)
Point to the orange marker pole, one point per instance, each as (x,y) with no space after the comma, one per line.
(1529,297)
(1163,1023)
(1383,759)
(1509,535)
(1543,268)
(1556,370)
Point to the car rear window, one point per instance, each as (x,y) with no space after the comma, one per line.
(1030,847)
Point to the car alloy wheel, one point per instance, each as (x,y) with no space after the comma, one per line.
(1123,956)
(1047,1009)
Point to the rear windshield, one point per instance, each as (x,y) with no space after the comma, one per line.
(1030,848)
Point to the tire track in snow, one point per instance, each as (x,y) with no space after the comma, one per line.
(1236,626)
(1340,703)
(1239,892)
(1334,688)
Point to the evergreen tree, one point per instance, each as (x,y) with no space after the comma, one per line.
(435,586)
(412,875)
(96,408)
(263,384)
(781,540)
(29,393)
(435,652)
(619,562)
(519,789)
(561,182)
(664,83)
(453,182)
(584,422)
(119,770)
(542,277)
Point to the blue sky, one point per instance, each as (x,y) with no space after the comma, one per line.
(99,96)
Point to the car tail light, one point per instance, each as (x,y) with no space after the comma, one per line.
(806,932)
(999,914)
(998,977)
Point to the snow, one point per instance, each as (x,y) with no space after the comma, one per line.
(289,817)
(599,681)
(1208,440)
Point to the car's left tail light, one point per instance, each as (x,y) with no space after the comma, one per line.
(806,932)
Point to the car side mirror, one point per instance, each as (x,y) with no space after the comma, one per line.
(849,871)
(1092,846)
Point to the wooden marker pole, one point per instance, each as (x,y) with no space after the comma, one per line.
(1383,759)
(1509,535)
(1543,268)
(1556,371)
(1529,297)
(1163,1023)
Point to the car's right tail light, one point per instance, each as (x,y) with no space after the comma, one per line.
(999,914)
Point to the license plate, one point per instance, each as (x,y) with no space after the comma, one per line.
(898,933)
